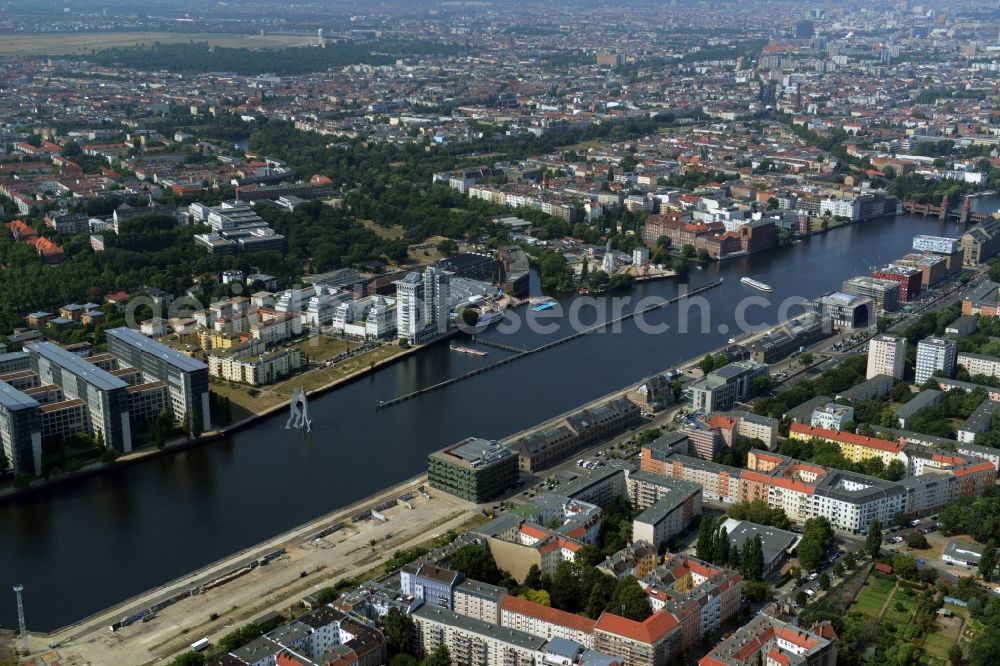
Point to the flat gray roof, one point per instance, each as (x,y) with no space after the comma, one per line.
(12,399)
(509,636)
(157,349)
(78,366)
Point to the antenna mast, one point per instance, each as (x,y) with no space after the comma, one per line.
(25,650)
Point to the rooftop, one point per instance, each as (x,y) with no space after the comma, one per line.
(12,399)
(159,350)
(78,366)
(513,637)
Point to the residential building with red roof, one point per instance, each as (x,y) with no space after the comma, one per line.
(652,642)
(768,640)
(546,622)
(855,448)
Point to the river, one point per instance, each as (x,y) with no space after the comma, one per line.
(81,547)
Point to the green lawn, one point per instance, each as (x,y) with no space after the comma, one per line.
(873,596)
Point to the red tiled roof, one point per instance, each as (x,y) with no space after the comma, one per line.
(650,632)
(547,614)
(848,438)
(533,531)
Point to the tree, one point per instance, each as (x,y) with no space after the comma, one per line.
(801,598)
(905,566)
(720,553)
(476,562)
(600,596)
(752,559)
(648,436)
(914,540)
(534,577)
(985,650)
(688,251)
(71,150)
(440,657)
(447,247)
(239,637)
(824,581)
(195,426)
(162,428)
(538,596)
(565,588)
(806,359)
(758,511)
(470,317)
(399,631)
(587,556)
(873,542)
(189,659)
(810,554)
(703,256)
(705,548)
(988,560)
(629,600)
(327,595)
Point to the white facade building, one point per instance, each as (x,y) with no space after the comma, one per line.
(935,354)
(422,305)
(886,354)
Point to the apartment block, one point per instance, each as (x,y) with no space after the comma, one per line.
(545,622)
(766,640)
(256,369)
(669,506)
(471,641)
(977,364)
(886,356)
(855,448)
(935,355)
(478,600)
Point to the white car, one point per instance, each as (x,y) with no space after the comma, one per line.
(809,591)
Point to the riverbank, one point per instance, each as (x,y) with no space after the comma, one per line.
(312,556)
(180,444)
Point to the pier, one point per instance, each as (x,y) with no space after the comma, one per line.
(383,404)
(499,345)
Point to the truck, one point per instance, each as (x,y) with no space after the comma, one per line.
(200,644)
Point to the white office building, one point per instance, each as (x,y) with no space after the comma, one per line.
(937,244)
(934,354)
(422,305)
(320,310)
(886,354)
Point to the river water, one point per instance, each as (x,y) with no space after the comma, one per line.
(86,545)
